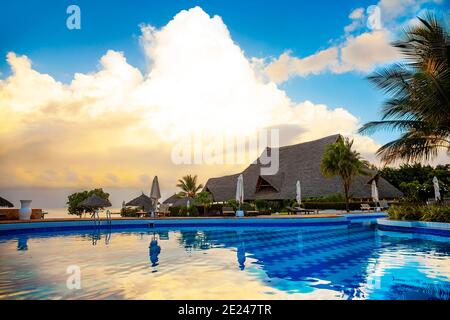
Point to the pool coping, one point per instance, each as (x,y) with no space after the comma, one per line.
(424,227)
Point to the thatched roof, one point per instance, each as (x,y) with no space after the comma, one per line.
(183,202)
(5,203)
(172,199)
(177,201)
(142,201)
(95,201)
(297,162)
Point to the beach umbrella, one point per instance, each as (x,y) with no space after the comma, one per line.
(95,201)
(299,193)
(375,192)
(5,203)
(437,194)
(188,203)
(240,189)
(155,193)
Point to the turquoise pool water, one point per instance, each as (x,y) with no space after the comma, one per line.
(347,262)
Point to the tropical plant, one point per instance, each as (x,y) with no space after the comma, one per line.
(203,199)
(129,212)
(188,186)
(233,204)
(416,180)
(419,94)
(339,160)
(188,211)
(77,197)
(433,213)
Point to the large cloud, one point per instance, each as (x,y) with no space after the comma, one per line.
(361,53)
(117,127)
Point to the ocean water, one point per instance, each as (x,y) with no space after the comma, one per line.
(62,213)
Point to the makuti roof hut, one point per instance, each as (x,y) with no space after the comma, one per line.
(5,203)
(296,162)
(143,201)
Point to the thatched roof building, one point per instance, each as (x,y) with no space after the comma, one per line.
(296,162)
(177,201)
(172,199)
(5,203)
(143,201)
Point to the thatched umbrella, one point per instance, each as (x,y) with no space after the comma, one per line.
(142,201)
(5,203)
(94,202)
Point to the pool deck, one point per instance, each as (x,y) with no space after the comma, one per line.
(273,216)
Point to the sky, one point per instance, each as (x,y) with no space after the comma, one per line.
(106,105)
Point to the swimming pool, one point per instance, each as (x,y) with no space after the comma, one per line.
(354,261)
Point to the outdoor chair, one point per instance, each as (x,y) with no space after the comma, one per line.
(163,210)
(384,205)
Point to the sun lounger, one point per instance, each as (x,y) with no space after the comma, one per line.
(366,207)
(252,213)
(228,211)
(300,210)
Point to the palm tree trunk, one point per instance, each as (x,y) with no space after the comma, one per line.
(346,189)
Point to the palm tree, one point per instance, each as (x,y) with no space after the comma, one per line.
(419,94)
(204,199)
(339,160)
(188,185)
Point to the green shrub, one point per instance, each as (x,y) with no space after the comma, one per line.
(190,211)
(431,213)
(436,213)
(129,212)
(233,204)
(174,211)
(261,204)
(333,205)
(336,197)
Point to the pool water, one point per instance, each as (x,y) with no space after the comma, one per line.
(347,262)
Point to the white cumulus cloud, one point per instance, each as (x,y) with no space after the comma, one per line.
(115,125)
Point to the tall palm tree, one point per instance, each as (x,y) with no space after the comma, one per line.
(339,160)
(419,94)
(188,186)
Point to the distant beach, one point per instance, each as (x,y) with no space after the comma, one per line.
(62,212)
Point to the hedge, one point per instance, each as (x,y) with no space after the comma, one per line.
(334,205)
